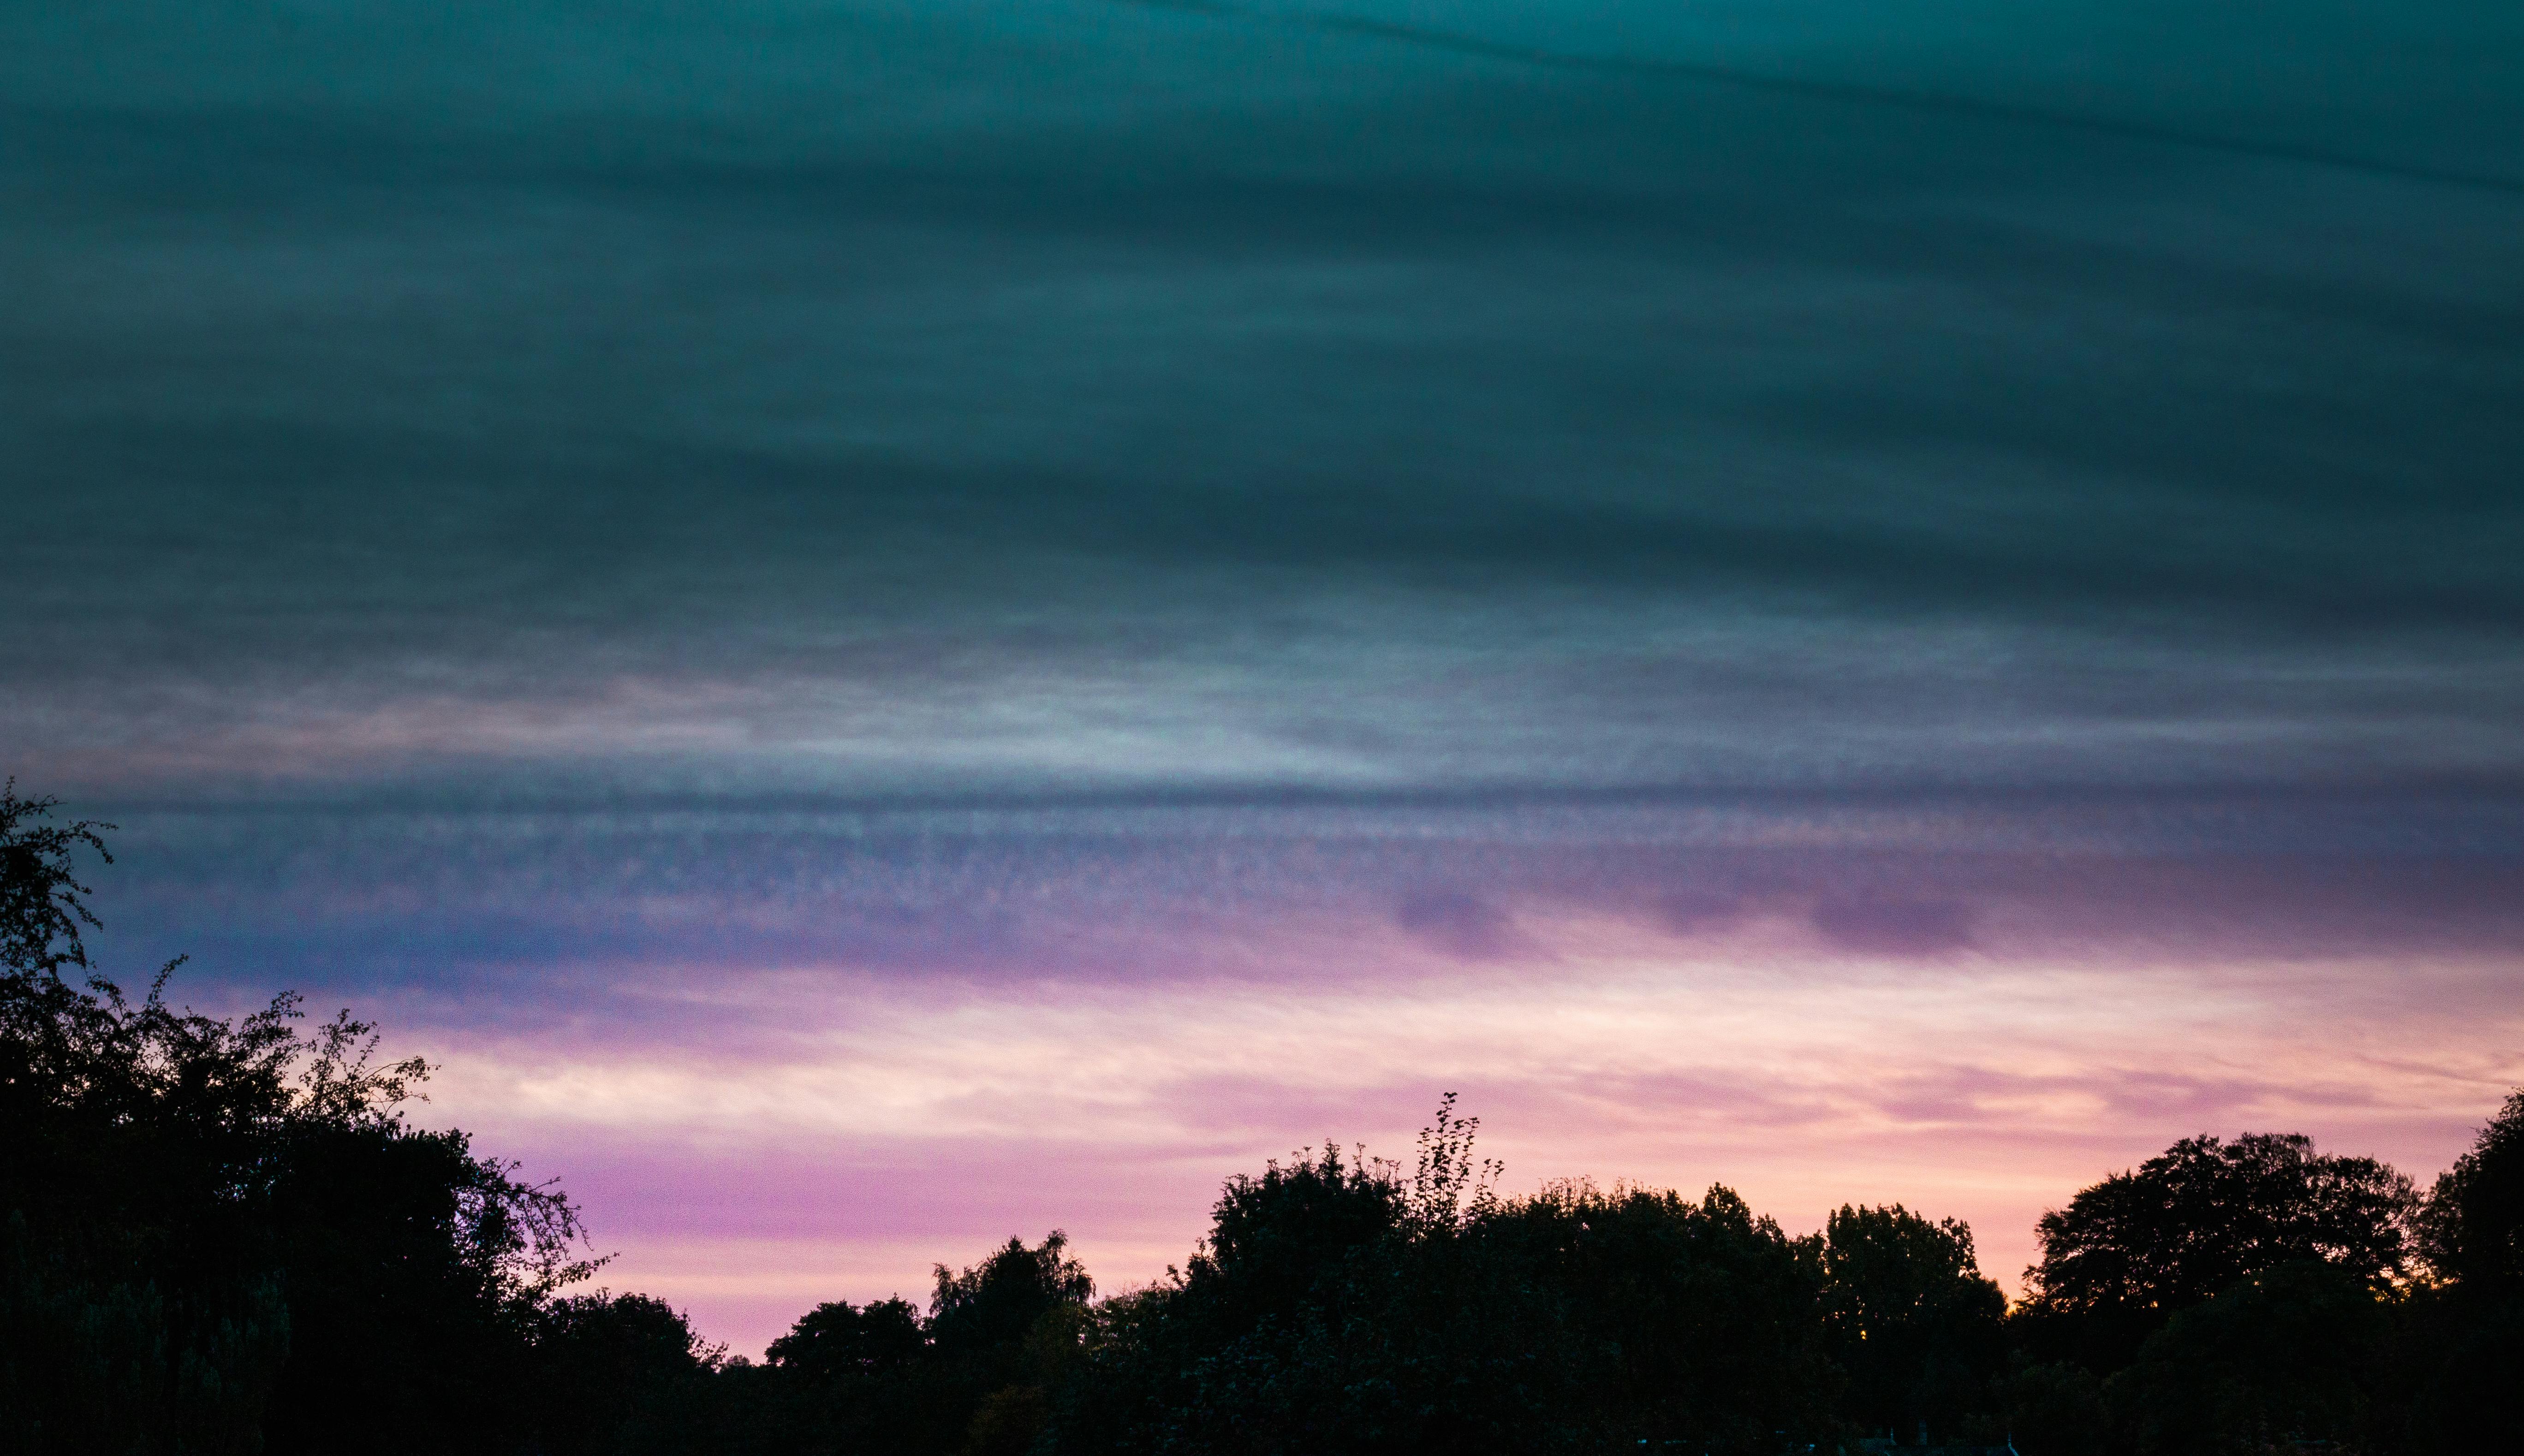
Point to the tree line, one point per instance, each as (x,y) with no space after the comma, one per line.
(224,1236)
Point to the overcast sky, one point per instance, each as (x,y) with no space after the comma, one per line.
(891,623)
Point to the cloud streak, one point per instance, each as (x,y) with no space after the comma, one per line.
(1865,96)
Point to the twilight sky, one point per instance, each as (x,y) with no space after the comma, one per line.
(891,623)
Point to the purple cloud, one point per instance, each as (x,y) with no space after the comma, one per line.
(1895,927)
(1463,926)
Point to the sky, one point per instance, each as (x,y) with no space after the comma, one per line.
(882,625)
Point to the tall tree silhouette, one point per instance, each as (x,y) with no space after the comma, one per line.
(1909,1316)
(2471,1229)
(2133,1251)
(2469,1331)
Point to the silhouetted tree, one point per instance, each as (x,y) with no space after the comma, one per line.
(1339,1306)
(2055,1410)
(2468,1333)
(2470,1230)
(859,1379)
(42,909)
(1275,1238)
(1701,1321)
(1335,1306)
(989,1309)
(1907,1314)
(99,1359)
(222,1235)
(608,1369)
(1006,1332)
(2130,1252)
(837,1339)
(126,1324)
(2298,1356)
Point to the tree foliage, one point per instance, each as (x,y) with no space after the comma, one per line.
(1338,1305)
(2471,1229)
(2132,1251)
(42,909)
(2469,1330)
(610,1370)
(224,1234)
(1908,1315)
(2295,1356)
(842,1338)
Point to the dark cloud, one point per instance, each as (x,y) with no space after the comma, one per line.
(1691,910)
(1896,927)
(546,917)
(1465,926)
(469,366)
